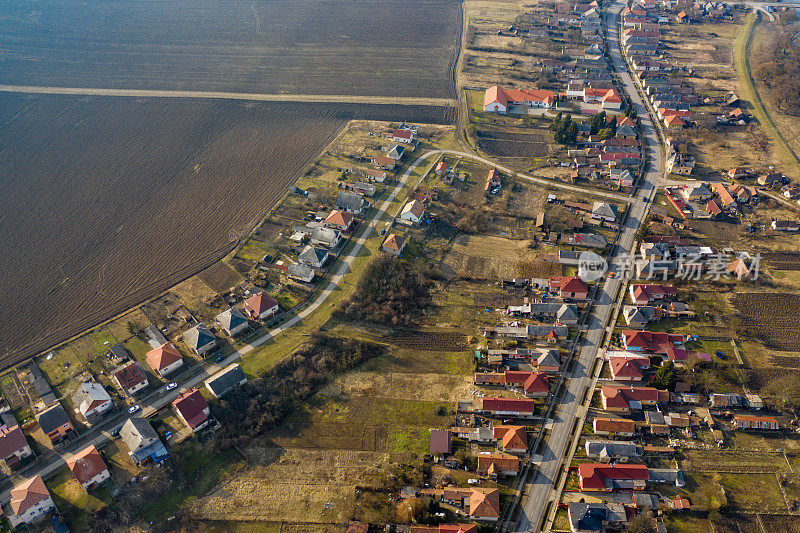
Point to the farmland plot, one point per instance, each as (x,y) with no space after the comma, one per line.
(108,201)
(773,316)
(503,144)
(342,47)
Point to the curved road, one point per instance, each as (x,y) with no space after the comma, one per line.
(537,484)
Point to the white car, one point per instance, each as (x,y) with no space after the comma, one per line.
(172,386)
(133,408)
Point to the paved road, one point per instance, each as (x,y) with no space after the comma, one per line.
(148,93)
(539,490)
(542,181)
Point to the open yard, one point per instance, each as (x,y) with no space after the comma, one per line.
(484,257)
(340,47)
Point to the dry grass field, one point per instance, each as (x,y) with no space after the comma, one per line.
(342,48)
(484,257)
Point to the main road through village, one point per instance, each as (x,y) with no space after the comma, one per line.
(538,490)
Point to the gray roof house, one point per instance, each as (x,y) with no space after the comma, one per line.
(313,256)
(300,272)
(588,517)
(92,400)
(396,152)
(638,316)
(612,449)
(221,383)
(567,314)
(232,321)
(156,337)
(200,338)
(326,237)
(351,203)
(588,240)
(142,441)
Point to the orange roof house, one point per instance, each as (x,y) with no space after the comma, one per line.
(261,305)
(339,220)
(607,477)
(673,121)
(393,244)
(163,357)
(513,439)
(29,500)
(618,426)
(88,467)
(484,504)
(507,465)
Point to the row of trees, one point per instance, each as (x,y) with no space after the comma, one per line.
(565,131)
(257,406)
(776,64)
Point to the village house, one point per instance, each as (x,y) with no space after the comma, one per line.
(612,450)
(225,380)
(627,367)
(619,427)
(639,316)
(786,226)
(523,408)
(512,439)
(569,287)
(626,399)
(588,240)
(88,468)
(261,305)
(493,182)
(92,401)
(313,256)
(364,188)
(352,203)
(499,100)
(396,152)
(199,338)
(383,162)
(339,220)
(547,361)
(413,212)
(403,136)
(166,359)
(30,500)
(608,477)
(650,342)
(478,503)
(393,244)
(596,517)
(755,422)
(300,272)
(327,237)
(192,408)
(644,293)
(14,447)
(142,441)
(55,423)
(232,321)
(131,378)
(604,212)
(494,465)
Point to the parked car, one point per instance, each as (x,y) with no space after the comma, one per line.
(172,386)
(133,408)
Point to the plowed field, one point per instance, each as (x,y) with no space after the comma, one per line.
(107,201)
(342,47)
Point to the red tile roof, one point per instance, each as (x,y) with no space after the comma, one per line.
(338,218)
(130,375)
(614,425)
(594,476)
(648,341)
(27,494)
(163,356)
(86,464)
(258,303)
(508,404)
(11,441)
(191,405)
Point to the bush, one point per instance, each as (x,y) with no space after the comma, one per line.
(390,292)
(256,407)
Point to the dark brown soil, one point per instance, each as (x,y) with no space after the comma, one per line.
(347,47)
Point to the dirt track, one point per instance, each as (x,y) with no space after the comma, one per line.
(219,95)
